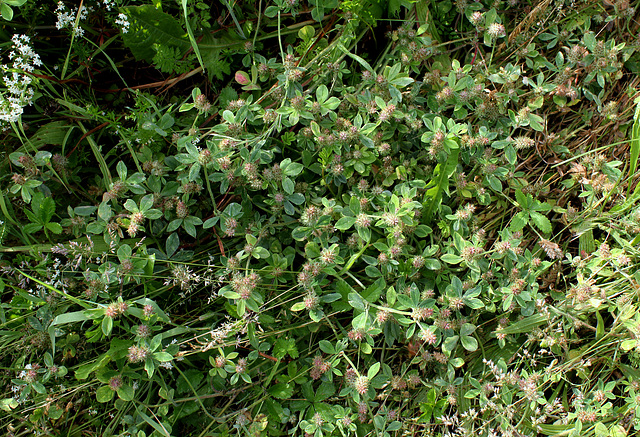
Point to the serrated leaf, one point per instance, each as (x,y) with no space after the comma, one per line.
(150,26)
(541,222)
(284,346)
(56,228)
(47,209)
(281,391)
(519,221)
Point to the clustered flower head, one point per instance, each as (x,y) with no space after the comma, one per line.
(319,367)
(67,18)
(116,309)
(244,285)
(202,104)
(115,383)
(496,30)
(123,22)
(523,143)
(361,384)
(183,277)
(138,354)
(552,250)
(135,221)
(18,83)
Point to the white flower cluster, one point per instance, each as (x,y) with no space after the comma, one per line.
(108,4)
(123,22)
(67,18)
(19,92)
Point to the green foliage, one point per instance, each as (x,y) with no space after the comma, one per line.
(281,221)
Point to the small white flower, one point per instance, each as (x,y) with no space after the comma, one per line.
(123,22)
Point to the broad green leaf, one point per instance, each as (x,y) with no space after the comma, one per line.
(345,223)
(451,258)
(450,344)
(126,393)
(469,343)
(281,391)
(104,394)
(150,26)
(7,12)
(163,356)
(373,370)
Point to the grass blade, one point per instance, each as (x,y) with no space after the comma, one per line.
(192,39)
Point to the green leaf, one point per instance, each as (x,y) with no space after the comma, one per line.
(635,144)
(126,393)
(298,306)
(494,182)
(523,200)
(56,228)
(189,227)
(536,122)
(325,391)
(541,222)
(519,221)
(162,428)
(46,210)
(163,356)
(525,325)
(467,329)
(7,12)
(192,376)
(150,26)
(281,391)
(469,343)
(104,394)
(373,370)
(192,39)
(345,223)
(322,93)
(450,258)
(440,182)
(327,347)
(107,325)
(450,344)
(284,346)
(288,186)
(31,228)
(172,244)
(83,371)
(15,2)
(356,301)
